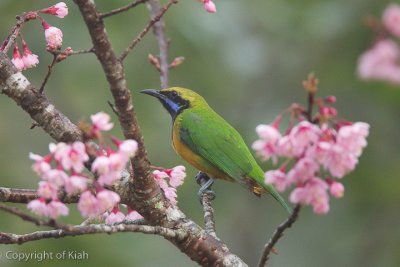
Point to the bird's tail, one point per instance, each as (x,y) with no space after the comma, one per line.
(271,190)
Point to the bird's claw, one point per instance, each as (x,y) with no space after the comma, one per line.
(205,182)
(210,194)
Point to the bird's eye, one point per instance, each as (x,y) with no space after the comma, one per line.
(174,94)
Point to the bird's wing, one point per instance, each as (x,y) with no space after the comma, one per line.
(211,137)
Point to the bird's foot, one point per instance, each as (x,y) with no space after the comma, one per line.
(205,183)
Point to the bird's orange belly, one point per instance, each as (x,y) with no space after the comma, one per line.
(195,160)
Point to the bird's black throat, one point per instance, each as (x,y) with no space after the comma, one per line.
(171,100)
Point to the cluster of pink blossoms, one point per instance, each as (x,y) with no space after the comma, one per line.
(382,61)
(52,34)
(175,177)
(167,179)
(314,155)
(63,168)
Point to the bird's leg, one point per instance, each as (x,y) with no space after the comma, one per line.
(205,183)
(206,195)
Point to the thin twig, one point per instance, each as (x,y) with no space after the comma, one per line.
(14,33)
(122,9)
(277,235)
(159,32)
(83,51)
(113,107)
(50,68)
(310,101)
(9,238)
(209,223)
(26,217)
(34,125)
(140,36)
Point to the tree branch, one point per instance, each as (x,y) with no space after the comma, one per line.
(15,195)
(146,30)
(146,194)
(122,9)
(159,31)
(9,238)
(141,192)
(15,85)
(277,235)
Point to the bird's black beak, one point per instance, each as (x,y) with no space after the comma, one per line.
(155,93)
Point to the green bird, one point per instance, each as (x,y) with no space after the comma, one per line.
(209,143)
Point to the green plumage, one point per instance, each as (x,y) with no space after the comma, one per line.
(210,136)
(209,143)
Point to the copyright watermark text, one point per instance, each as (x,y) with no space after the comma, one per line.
(44,255)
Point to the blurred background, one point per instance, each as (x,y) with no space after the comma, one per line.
(248,61)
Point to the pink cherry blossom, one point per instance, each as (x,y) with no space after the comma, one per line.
(75,184)
(41,165)
(267,145)
(314,193)
(56,208)
(88,205)
(59,150)
(115,216)
(53,36)
(30,60)
(71,156)
(128,148)
(53,209)
(353,137)
(77,157)
(60,10)
(117,161)
(209,6)
(285,147)
(101,165)
(381,62)
(303,170)
(109,178)
(107,199)
(17,59)
(133,216)
(177,176)
(57,177)
(47,190)
(335,158)
(327,112)
(38,206)
(391,19)
(101,122)
(170,194)
(330,99)
(109,168)
(277,178)
(159,177)
(336,189)
(303,135)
